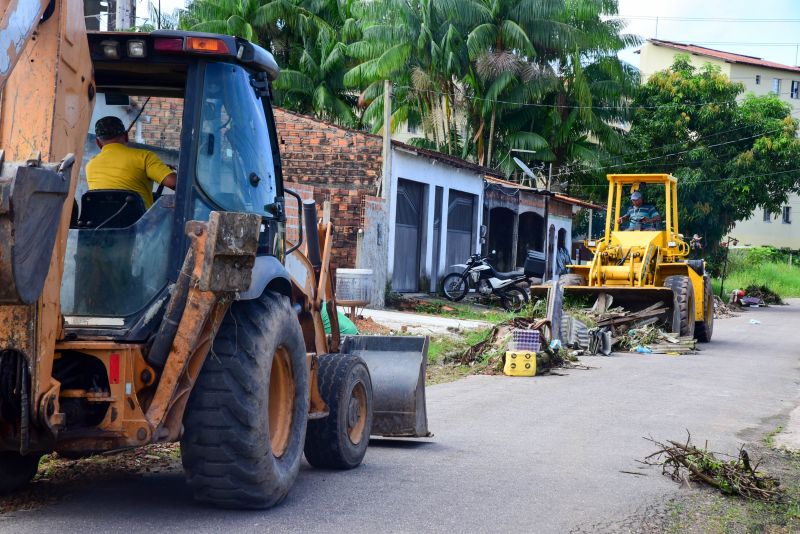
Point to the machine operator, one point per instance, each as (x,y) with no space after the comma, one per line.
(121,167)
(640,216)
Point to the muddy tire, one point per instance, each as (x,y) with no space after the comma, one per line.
(571,279)
(455,287)
(16,470)
(514,299)
(245,424)
(705,328)
(339,441)
(684,300)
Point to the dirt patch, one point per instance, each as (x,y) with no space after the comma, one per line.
(59,477)
(367,326)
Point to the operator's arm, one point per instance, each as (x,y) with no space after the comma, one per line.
(625,217)
(158,171)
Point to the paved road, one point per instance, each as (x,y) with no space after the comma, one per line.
(517,455)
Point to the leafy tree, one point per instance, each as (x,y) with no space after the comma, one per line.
(729,157)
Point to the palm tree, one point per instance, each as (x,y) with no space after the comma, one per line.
(316,85)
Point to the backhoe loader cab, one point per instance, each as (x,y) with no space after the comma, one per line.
(646,263)
(148,292)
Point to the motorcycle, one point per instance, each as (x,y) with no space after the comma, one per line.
(478,274)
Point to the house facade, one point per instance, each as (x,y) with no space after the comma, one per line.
(759,77)
(520,219)
(429,217)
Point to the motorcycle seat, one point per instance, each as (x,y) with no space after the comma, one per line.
(507,276)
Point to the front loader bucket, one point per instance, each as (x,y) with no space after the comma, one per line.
(632,299)
(397,367)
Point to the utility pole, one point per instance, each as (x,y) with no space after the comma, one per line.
(387,141)
(126,15)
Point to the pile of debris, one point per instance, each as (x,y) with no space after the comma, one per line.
(600,330)
(684,463)
(763,294)
(722,310)
(649,340)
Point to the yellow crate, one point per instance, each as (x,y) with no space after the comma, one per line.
(520,363)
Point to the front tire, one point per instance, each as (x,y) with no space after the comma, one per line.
(455,287)
(16,470)
(684,292)
(339,441)
(245,423)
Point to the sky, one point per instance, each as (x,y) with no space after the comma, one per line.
(768,29)
(751,27)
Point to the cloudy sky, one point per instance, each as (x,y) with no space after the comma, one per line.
(765,28)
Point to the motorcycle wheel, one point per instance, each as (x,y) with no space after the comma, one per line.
(514,299)
(454,287)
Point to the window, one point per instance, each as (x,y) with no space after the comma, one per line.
(758,79)
(767,215)
(234,156)
(776,86)
(787,215)
(795,89)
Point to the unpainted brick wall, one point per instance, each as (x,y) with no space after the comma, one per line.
(343,166)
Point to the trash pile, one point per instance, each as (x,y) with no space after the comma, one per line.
(754,296)
(722,310)
(652,340)
(601,331)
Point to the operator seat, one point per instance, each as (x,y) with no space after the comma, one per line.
(110,208)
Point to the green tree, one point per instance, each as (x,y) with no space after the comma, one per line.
(730,157)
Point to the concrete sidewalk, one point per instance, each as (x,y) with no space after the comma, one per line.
(415,323)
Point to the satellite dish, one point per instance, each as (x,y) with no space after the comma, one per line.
(527,170)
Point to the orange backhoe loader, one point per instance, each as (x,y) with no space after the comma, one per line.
(193,320)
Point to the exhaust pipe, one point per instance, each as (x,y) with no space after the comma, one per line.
(312,235)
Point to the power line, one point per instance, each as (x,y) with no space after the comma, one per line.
(703,19)
(566,106)
(715,180)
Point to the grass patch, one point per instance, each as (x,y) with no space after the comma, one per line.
(454,310)
(761,266)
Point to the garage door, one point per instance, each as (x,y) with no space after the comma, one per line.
(408,220)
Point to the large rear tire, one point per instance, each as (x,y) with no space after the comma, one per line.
(16,470)
(704,329)
(245,423)
(339,441)
(455,287)
(681,285)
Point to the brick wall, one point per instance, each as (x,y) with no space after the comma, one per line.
(343,167)
(161,121)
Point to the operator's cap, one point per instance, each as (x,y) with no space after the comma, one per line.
(636,195)
(109,127)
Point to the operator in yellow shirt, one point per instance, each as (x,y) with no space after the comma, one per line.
(119,166)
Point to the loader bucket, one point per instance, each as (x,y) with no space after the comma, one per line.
(397,367)
(632,299)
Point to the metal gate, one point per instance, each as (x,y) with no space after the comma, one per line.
(408,221)
(460,214)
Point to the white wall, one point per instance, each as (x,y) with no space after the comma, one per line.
(433,173)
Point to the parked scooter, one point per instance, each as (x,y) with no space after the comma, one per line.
(478,274)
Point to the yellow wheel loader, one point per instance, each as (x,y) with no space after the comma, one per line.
(192,320)
(644,262)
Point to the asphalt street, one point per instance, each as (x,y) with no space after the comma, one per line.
(544,454)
